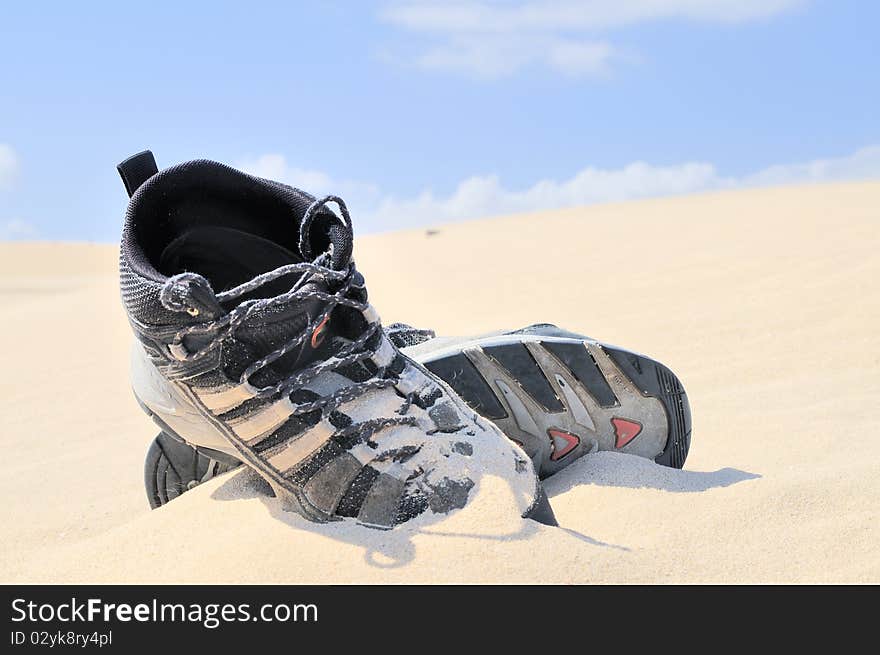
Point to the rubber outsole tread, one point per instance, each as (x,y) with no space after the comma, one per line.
(656,380)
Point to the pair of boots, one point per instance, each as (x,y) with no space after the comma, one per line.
(256,344)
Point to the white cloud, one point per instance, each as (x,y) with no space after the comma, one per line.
(578,57)
(562,15)
(480,196)
(497,56)
(493,39)
(16,228)
(275,167)
(8,166)
(486,195)
(317,183)
(861,165)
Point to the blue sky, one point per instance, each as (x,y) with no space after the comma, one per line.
(422,112)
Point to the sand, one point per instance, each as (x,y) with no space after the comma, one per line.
(766,303)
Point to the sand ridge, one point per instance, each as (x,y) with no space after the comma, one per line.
(764,302)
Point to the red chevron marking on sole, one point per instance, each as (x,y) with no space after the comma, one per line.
(625,431)
(568,441)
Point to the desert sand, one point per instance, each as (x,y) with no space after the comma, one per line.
(766,303)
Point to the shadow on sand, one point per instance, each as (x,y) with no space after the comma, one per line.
(394,548)
(618,470)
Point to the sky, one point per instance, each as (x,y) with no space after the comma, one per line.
(419,113)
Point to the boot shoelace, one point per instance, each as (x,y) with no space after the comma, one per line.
(177,289)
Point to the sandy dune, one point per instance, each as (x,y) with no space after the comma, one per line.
(766,303)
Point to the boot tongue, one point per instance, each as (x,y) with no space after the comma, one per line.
(269,329)
(228,257)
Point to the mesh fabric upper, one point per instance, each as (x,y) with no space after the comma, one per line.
(204,192)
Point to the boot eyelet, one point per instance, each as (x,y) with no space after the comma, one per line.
(178,351)
(192,311)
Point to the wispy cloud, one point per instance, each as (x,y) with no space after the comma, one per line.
(494,55)
(486,195)
(863,164)
(494,39)
(8,166)
(538,15)
(16,228)
(276,167)
(13,228)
